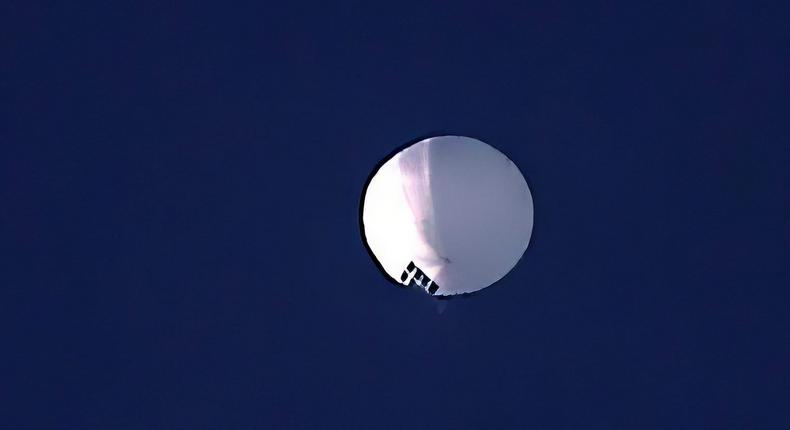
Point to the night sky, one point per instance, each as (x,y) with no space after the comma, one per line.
(179,215)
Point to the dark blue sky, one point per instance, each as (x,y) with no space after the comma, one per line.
(179,191)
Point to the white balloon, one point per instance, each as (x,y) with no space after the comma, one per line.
(450,214)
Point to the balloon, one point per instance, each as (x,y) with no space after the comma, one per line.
(449,214)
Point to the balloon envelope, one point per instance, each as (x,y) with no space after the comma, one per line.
(450,214)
